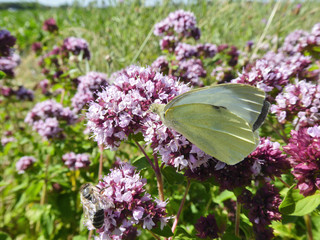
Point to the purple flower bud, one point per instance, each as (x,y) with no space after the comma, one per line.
(6,42)
(36,47)
(161,64)
(46,116)
(185,51)
(303,149)
(48,128)
(168,43)
(76,46)
(24,163)
(44,85)
(6,91)
(76,161)
(24,94)
(207,227)
(50,25)
(263,208)
(190,71)
(87,89)
(207,50)
(5,140)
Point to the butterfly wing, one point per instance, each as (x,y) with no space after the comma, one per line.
(245,101)
(215,130)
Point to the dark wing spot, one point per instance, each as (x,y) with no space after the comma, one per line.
(262,116)
(218,107)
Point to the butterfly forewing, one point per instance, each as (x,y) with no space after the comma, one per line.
(243,100)
(214,129)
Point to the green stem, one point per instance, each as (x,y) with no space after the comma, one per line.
(154,235)
(100,161)
(176,220)
(146,155)
(274,10)
(44,189)
(159,178)
(307,220)
(90,234)
(237,223)
(284,183)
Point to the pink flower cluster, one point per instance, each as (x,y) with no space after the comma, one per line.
(50,25)
(88,87)
(129,204)
(7,138)
(24,163)
(304,151)
(299,103)
(180,23)
(301,41)
(274,71)
(22,93)
(76,46)
(46,116)
(121,108)
(9,63)
(76,161)
(55,62)
(185,61)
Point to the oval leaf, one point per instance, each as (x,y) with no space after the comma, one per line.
(296,204)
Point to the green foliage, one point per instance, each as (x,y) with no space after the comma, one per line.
(296,204)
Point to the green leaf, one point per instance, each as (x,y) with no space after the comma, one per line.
(165,232)
(34,213)
(225,195)
(3,235)
(172,176)
(79,238)
(2,75)
(316,48)
(229,235)
(181,234)
(296,204)
(140,163)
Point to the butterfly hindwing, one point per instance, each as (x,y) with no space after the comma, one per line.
(214,129)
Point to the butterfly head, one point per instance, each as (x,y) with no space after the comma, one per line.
(158,109)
